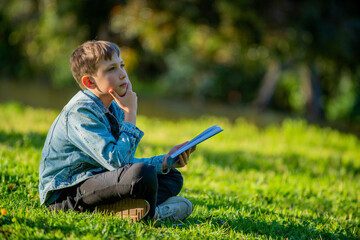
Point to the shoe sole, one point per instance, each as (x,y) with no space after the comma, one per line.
(133,209)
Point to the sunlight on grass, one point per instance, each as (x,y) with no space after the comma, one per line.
(292,180)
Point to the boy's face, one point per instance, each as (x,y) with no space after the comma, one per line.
(111,74)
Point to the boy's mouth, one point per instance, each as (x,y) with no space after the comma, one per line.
(123,85)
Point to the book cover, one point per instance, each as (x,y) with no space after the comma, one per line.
(208,133)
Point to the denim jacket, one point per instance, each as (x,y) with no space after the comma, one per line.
(81,143)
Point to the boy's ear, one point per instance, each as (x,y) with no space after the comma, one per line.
(88,82)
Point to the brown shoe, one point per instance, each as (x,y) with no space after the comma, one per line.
(135,209)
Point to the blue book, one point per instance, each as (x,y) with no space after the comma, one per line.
(208,133)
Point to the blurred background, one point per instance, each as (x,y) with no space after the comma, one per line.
(186,58)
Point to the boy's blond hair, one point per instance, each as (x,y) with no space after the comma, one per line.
(84,59)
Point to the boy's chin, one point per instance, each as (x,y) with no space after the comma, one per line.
(120,93)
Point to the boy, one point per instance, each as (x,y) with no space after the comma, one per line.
(88,157)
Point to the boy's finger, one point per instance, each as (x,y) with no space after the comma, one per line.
(185,157)
(129,87)
(181,160)
(193,148)
(113,93)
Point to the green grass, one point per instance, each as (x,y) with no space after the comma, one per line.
(288,181)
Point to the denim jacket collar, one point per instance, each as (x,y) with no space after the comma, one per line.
(96,100)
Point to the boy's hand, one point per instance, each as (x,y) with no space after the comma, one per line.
(128,103)
(183,157)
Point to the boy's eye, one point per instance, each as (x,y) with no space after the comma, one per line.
(111,69)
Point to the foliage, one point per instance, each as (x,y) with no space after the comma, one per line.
(287,181)
(201,49)
(39,38)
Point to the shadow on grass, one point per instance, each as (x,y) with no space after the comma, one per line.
(15,139)
(292,227)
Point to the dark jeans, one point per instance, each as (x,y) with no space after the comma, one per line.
(138,180)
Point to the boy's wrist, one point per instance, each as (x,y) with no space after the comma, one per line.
(130,117)
(164,165)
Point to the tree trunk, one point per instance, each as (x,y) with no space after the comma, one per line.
(312,90)
(268,86)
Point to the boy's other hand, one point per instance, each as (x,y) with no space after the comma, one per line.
(128,103)
(183,157)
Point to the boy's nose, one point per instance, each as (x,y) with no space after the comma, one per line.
(122,74)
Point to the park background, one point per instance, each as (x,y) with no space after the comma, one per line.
(294,57)
(281,77)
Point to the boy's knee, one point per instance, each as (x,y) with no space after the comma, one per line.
(142,170)
(145,177)
(176,177)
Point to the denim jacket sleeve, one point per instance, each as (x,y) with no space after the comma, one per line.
(155,161)
(89,131)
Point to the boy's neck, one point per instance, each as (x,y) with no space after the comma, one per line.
(106,99)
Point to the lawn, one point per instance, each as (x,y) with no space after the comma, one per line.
(286,181)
